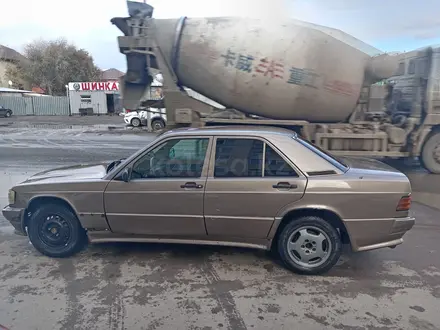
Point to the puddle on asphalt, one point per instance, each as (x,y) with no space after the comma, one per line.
(8,230)
(85,127)
(66,126)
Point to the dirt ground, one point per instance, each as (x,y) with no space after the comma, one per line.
(158,286)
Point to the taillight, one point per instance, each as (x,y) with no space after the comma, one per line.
(404,204)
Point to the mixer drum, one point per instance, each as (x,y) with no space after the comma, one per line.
(291,70)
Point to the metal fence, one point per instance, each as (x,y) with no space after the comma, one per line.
(36,105)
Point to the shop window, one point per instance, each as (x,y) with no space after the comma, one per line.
(86,98)
(412,67)
(401,69)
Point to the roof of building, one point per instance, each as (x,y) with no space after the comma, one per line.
(112,74)
(10,54)
(12,90)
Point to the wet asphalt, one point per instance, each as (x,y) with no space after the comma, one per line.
(157,286)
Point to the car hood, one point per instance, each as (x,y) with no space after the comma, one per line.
(70,173)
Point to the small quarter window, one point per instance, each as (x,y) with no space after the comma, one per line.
(276,166)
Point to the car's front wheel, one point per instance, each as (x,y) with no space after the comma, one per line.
(309,245)
(8,114)
(55,231)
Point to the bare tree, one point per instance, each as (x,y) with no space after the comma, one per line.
(53,64)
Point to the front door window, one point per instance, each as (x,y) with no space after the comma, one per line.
(177,158)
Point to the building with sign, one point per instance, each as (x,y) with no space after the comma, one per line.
(94,98)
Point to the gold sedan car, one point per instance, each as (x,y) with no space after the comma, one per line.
(253,187)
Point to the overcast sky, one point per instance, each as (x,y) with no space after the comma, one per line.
(390,25)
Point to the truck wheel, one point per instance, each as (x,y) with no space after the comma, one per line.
(309,245)
(136,122)
(431,154)
(157,125)
(55,231)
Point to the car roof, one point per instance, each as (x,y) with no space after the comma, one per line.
(231,130)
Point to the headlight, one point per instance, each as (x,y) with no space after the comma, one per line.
(11,197)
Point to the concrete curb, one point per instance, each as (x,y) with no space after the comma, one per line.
(94,129)
(118,130)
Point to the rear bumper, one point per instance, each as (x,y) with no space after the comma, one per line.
(15,217)
(371,234)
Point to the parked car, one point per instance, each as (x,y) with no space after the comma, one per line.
(140,118)
(5,112)
(254,187)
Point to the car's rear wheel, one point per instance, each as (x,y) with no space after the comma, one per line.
(309,245)
(136,122)
(8,114)
(55,231)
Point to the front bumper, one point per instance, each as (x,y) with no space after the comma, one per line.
(371,234)
(15,217)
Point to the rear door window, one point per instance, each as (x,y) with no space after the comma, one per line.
(244,158)
(238,158)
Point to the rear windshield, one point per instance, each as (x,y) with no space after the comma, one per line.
(331,159)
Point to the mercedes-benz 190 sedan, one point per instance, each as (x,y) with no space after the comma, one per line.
(253,187)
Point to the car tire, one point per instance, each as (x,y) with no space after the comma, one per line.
(431,153)
(8,114)
(157,125)
(313,238)
(54,230)
(135,122)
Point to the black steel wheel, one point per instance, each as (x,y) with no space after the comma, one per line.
(309,245)
(55,231)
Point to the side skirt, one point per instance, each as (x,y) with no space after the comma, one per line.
(108,237)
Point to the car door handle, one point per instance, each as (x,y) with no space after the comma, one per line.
(191,185)
(284,185)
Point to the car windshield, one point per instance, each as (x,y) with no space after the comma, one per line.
(324,154)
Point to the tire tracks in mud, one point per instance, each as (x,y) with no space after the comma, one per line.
(223,297)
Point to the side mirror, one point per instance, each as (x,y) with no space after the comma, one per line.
(125,175)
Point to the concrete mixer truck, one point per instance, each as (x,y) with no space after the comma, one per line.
(318,81)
